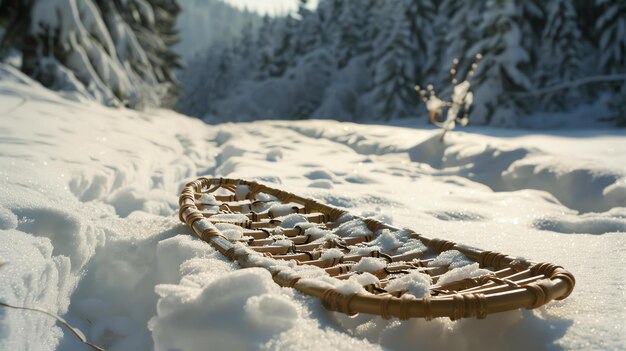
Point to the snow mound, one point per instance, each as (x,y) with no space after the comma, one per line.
(414,283)
(463,272)
(88,201)
(191,318)
(370,265)
(589,223)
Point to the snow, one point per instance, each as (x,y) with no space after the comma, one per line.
(365,279)
(450,258)
(277,210)
(370,265)
(331,254)
(317,233)
(290,221)
(230,231)
(462,272)
(215,314)
(414,283)
(88,217)
(390,242)
(354,227)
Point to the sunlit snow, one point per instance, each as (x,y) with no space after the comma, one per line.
(89,226)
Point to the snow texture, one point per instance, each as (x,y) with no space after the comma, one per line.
(452,259)
(370,265)
(414,283)
(89,226)
(462,272)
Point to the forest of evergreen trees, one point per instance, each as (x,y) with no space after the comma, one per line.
(347,59)
(202,23)
(359,59)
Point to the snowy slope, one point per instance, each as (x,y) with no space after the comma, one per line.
(88,200)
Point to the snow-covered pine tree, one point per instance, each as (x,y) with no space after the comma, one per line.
(611,31)
(353,36)
(246,52)
(197,87)
(284,49)
(533,15)
(212,78)
(502,70)
(309,28)
(165,60)
(153,22)
(461,20)
(532,24)
(13,24)
(263,47)
(346,38)
(68,38)
(314,73)
(587,14)
(393,75)
(205,22)
(562,53)
(329,12)
(88,47)
(421,15)
(367,22)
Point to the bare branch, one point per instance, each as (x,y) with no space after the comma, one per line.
(78,334)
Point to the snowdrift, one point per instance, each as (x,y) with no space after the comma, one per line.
(88,201)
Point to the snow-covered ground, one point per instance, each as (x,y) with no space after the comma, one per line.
(88,226)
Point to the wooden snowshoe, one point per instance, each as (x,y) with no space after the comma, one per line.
(326,252)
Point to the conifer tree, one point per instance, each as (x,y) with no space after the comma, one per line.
(421,15)
(611,32)
(116,52)
(366,22)
(264,45)
(13,24)
(502,70)
(153,22)
(532,21)
(463,28)
(284,50)
(413,41)
(307,34)
(562,50)
(393,70)
(212,80)
(308,28)
(346,39)
(330,11)
(246,52)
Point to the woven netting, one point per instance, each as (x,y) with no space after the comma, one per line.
(361,265)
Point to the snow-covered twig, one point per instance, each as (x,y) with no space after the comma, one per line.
(74,331)
(461,99)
